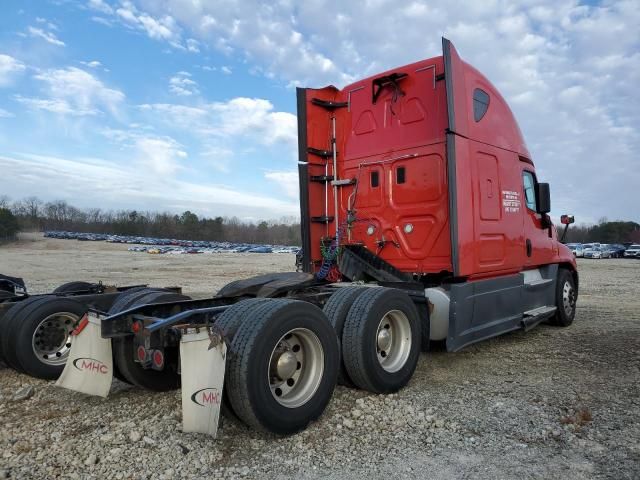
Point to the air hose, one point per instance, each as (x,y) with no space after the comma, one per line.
(330,254)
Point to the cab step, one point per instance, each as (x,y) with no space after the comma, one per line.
(533,317)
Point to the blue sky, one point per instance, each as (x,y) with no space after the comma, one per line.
(182,104)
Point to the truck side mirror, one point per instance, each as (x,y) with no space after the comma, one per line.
(543,197)
(567,219)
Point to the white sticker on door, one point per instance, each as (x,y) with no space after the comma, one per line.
(510,201)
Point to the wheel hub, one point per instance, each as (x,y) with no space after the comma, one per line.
(568,298)
(286,365)
(384,339)
(393,340)
(52,338)
(296,367)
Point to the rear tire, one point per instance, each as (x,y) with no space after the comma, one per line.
(4,295)
(382,340)
(228,323)
(566,297)
(132,371)
(74,287)
(8,322)
(255,379)
(128,297)
(42,336)
(233,317)
(336,309)
(122,303)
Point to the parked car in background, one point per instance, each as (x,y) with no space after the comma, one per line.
(596,252)
(633,251)
(617,250)
(607,250)
(586,249)
(577,249)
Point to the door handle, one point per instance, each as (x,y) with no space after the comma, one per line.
(528,248)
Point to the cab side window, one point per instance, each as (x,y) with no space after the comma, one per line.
(529,182)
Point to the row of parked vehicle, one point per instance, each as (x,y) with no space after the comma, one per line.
(173,246)
(605,250)
(213,250)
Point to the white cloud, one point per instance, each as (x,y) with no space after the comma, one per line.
(6,114)
(193,45)
(75,91)
(161,155)
(49,37)
(254,117)
(221,128)
(155,154)
(102,21)
(10,68)
(237,119)
(100,6)
(160,27)
(181,84)
(122,185)
(226,70)
(92,64)
(287,181)
(55,105)
(126,13)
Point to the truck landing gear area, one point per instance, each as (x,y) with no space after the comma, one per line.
(422,220)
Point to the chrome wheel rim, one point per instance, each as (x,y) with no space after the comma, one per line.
(51,340)
(568,298)
(295,367)
(393,341)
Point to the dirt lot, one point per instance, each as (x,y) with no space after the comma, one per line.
(552,403)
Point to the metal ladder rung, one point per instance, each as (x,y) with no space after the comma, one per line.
(321,178)
(319,152)
(344,182)
(323,219)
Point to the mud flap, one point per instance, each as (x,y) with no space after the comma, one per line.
(89,368)
(202,365)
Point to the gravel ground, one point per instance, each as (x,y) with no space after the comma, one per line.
(551,403)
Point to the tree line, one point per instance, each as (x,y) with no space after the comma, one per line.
(604,232)
(31,214)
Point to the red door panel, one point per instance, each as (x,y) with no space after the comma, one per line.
(490,232)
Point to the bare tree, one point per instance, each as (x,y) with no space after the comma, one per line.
(5,201)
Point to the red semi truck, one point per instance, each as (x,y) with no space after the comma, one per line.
(422,220)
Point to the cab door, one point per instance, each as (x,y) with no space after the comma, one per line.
(537,239)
